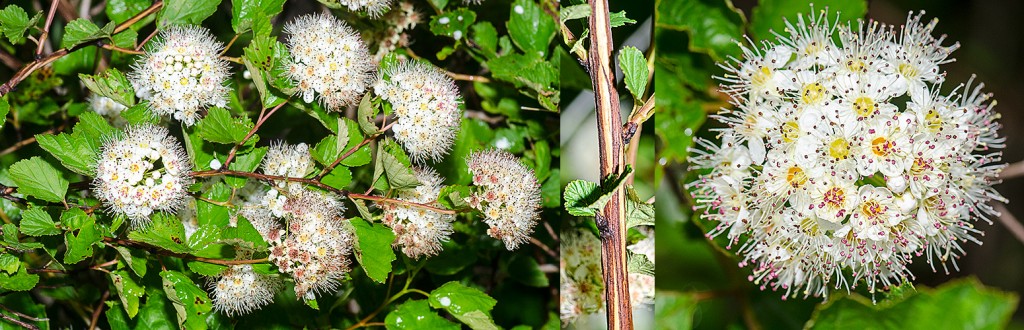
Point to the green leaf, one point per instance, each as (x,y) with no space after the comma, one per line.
(4,109)
(454,197)
(120,11)
(486,37)
(186,12)
(453,24)
(220,127)
(82,234)
(14,22)
(453,258)
(128,290)
(245,162)
(373,250)
(244,234)
(958,304)
(112,84)
(639,264)
(619,19)
(392,161)
(524,268)
(638,212)
(440,4)
(524,71)
(9,263)
(22,281)
(72,150)
(139,114)
(634,69)
(206,269)
(36,222)
(263,58)
(469,305)
(339,177)
(568,13)
(361,208)
(135,259)
(531,28)
(36,177)
(584,198)
(164,231)
(189,300)
(366,115)
(81,30)
(674,311)
(770,15)
(245,14)
(416,314)
(714,27)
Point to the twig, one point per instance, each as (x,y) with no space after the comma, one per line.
(123,50)
(546,249)
(99,308)
(23,315)
(9,60)
(1012,171)
(18,322)
(161,251)
(1010,221)
(259,122)
(478,114)
(352,150)
(611,221)
(28,69)
(32,139)
(386,200)
(466,77)
(46,27)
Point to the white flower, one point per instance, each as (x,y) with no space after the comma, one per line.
(239,290)
(426,107)
(140,172)
(288,160)
(107,107)
(419,232)
(582,286)
(182,74)
(374,8)
(315,244)
(509,198)
(328,60)
(843,161)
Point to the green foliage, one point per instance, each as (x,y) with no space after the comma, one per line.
(634,70)
(771,15)
(37,178)
(63,243)
(961,304)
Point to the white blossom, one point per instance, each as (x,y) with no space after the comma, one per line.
(238,290)
(426,107)
(842,160)
(327,61)
(509,197)
(418,231)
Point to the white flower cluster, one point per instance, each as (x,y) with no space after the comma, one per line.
(107,107)
(374,8)
(182,74)
(143,171)
(641,286)
(315,245)
(239,290)
(328,60)
(843,158)
(426,107)
(400,22)
(288,160)
(509,198)
(581,289)
(417,230)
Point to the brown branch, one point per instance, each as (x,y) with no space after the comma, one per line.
(611,221)
(352,150)
(546,249)
(386,200)
(161,251)
(1009,221)
(123,50)
(466,77)
(16,321)
(99,308)
(28,69)
(259,122)
(46,27)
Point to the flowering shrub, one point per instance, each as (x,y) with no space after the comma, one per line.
(187,163)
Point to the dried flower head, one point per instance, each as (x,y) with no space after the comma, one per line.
(417,230)
(182,74)
(239,290)
(328,60)
(843,158)
(426,104)
(509,198)
(315,244)
(142,171)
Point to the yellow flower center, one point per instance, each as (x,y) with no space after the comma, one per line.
(796,177)
(839,148)
(907,70)
(761,77)
(864,106)
(881,147)
(812,93)
(790,131)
